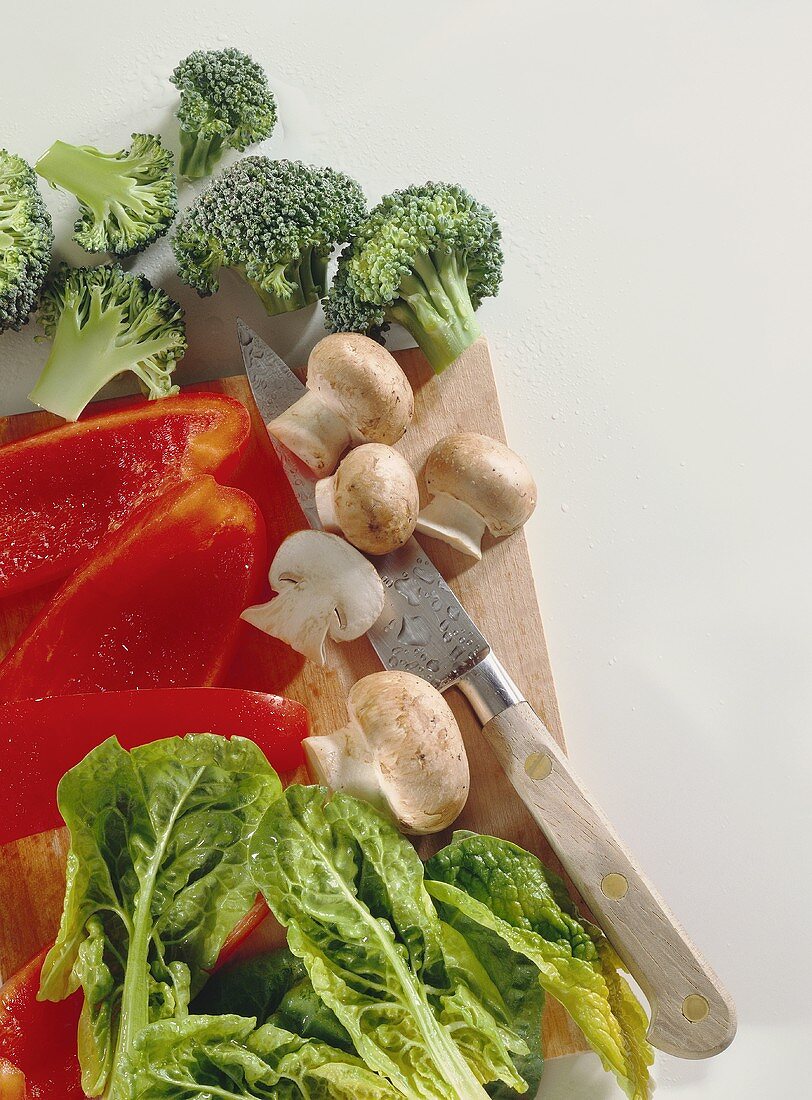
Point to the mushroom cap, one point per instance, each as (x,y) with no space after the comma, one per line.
(486,475)
(417,746)
(362,382)
(375,498)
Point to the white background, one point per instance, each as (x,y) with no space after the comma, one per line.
(650,164)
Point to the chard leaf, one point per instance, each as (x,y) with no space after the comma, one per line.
(227,1058)
(479,880)
(157,877)
(349,888)
(303,1012)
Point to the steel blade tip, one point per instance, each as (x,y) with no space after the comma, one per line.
(245,334)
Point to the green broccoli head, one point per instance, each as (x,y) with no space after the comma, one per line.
(26,237)
(103,322)
(276,222)
(425,257)
(126,199)
(224,101)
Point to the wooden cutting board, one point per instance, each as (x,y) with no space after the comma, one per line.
(497,591)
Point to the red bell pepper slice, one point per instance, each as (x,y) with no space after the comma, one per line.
(157,605)
(241,931)
(40,739)
(38,1038)
(61,490)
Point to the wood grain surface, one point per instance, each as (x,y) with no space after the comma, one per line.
(498,592)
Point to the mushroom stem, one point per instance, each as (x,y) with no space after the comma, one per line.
(301,623)
(315,433)
(343,761)
(326,504)
(455,522)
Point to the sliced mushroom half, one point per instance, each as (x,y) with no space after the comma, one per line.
(326,587)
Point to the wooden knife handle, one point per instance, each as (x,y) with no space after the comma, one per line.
(692,1015)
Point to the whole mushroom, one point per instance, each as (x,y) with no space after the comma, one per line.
(372,499)
(402,750)
(356,392)
(325,587)
(475,482)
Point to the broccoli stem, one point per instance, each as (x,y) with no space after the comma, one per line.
(318,270)
(8,214)
(85,357)
(313,276)
(96,179)
(435,306)
(278,303)
(307,281)
(199,154)
(285,289)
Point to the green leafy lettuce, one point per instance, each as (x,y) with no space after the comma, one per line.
(272,988)
(479,882)
(420,1007)
(507,983)
(157,876)
(228,1058)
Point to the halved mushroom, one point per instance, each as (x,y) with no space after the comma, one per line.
(402,751)
(325,587)
(372,499)
(475,482)
(356,392)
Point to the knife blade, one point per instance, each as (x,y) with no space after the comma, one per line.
(425,630)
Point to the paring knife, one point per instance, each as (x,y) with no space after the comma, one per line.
(424,629)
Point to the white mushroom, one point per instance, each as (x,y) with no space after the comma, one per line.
(325,587)
(372,499)
(402,751)
(475,482)
(356,393)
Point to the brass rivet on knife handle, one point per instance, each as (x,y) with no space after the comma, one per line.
(615,886)
(538,765)
(692,1015)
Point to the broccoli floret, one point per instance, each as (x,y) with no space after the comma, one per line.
(425,257)
(224,101)
(276,222)
(103,322)
(126,199)
(26,238)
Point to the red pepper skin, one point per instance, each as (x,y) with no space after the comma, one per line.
(61,490)
(157,605)
(240,932)
(41,739)
(39,1037)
